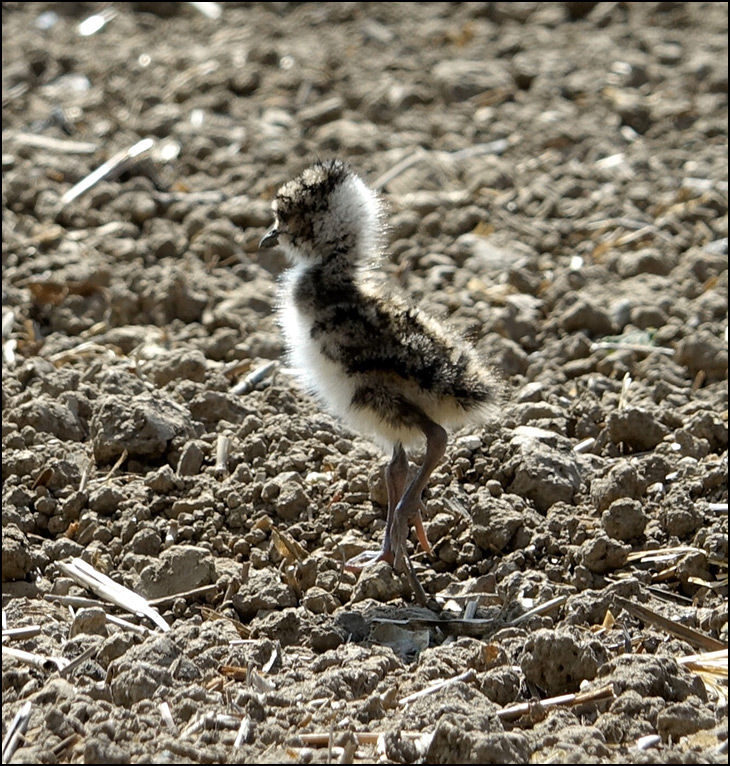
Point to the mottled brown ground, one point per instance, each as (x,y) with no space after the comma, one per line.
(565,204)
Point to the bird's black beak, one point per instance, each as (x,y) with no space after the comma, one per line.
(270,239)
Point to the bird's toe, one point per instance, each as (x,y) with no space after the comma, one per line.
(368,558)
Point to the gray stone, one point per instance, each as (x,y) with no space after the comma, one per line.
(91,620)
(624,519)
(582,315)
(179,568)
(461,79)
(543,473)
(602,554)
(557,662)
(622,481)
(16,556)
(701,351)
(636,428)
(262,590)
(143,425)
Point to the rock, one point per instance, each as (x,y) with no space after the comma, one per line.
(701,351)
(162,480)
(16,556)
(89,620)
(527,412)
(452,744)
(142,425)
(287,493)
(557,662)
(645,261)
(140,672)
(601,554)
(622,481)
(50,417)
(319,601)
(178,569)
(629,717)
(292,500)
(680,514)
(23,462)
(582,315)
(501,685)
(298,627)
(683,718)
(636,429)
(624,519)
(106,499)
(461,79)
(495,522)
(263,590)
(648,317)
(651,676)
(520,319)
(191,458)
(182,363)
(543,473)
(101,749)
(146,542)
(379,582)
(211,407)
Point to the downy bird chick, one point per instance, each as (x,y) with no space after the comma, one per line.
(374,359)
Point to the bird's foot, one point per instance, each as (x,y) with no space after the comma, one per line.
(368,558)
(388,552)
(394,549)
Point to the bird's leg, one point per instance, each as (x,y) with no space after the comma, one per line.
(396,476)
(408,510)
(404,507)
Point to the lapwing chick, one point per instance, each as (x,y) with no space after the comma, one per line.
(373,358)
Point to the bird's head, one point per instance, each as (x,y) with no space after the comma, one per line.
(326,210)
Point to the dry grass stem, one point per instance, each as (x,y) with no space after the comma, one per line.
(40,661)
(106,588)
(543,608)
(15,731)
(222,450)
(690,635)
(166,714)
(467,676)
(28,631)
(244,732)
(73,664)
(202,591)
(516,711)
(112,168)
(254,378)
(50,144)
